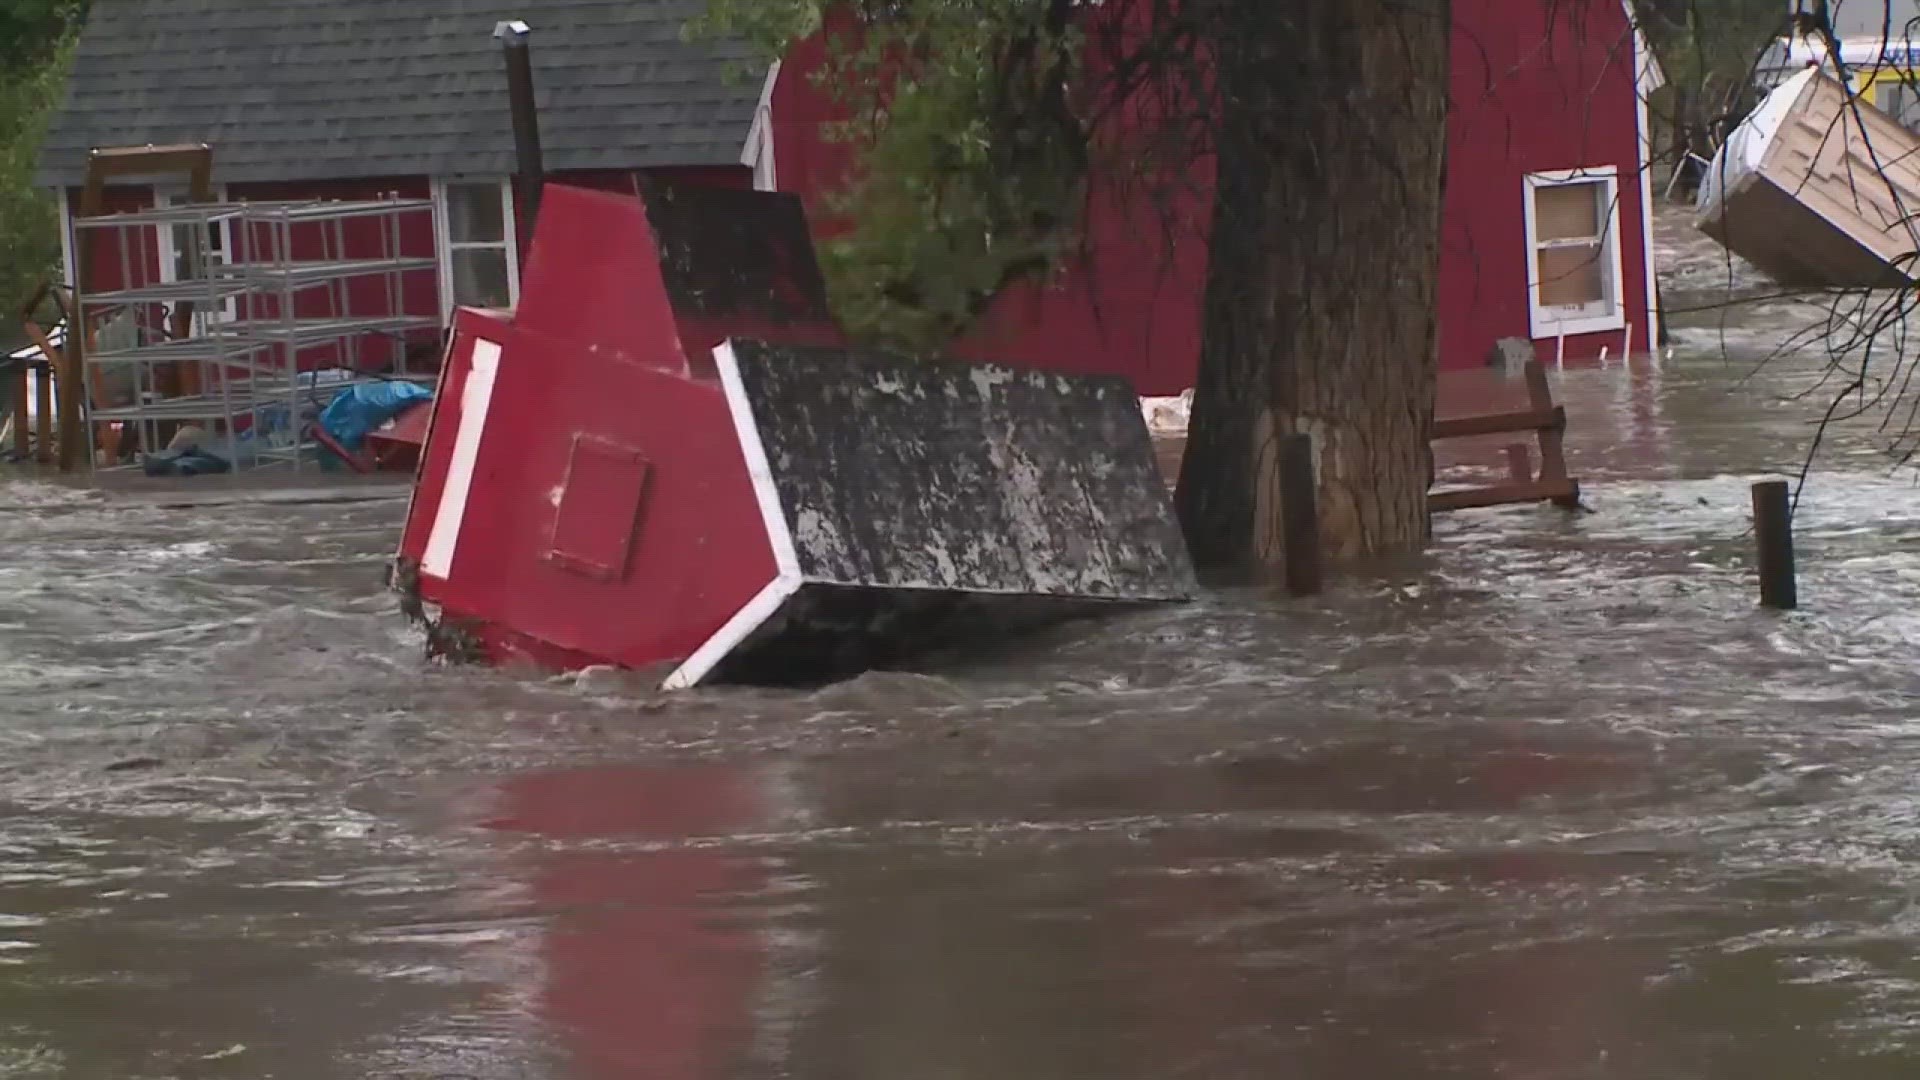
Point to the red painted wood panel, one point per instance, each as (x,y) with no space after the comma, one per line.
(1560,100)
(1532,98)
(115,261)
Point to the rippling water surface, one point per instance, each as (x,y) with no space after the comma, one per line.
(1559,802)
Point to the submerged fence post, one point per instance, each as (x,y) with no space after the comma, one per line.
(1300,514)
(22,378)
(1519,463)
(43,412)
(1773,533)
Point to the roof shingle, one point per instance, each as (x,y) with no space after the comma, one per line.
(330,89)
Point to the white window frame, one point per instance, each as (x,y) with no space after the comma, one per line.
(68,271)
(444,247)
(175,194)
(1550,322)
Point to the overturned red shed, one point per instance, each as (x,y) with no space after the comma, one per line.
(601,486)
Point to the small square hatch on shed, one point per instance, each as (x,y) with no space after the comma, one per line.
(597,513)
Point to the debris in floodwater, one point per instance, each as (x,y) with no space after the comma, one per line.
(776,506)
(1811,187)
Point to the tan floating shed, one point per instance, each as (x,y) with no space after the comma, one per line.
(1817,190)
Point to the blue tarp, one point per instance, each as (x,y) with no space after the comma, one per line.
(360,410)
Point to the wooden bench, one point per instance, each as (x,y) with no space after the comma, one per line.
(1547,421)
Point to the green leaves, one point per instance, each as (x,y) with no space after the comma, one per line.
(31,31)
(36,38)
(1708,49)
(970,164)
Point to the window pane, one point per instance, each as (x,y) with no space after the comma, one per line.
(1570,211)
(1571,275)
(480,278)
(186,254)
(474,214)
(183,253)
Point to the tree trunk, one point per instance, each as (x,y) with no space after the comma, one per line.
(1319,314)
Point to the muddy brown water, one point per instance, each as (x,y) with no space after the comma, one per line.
(1558,802)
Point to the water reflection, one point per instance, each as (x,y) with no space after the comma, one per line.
(645,974)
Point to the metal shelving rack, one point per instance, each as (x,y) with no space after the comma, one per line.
(258,384)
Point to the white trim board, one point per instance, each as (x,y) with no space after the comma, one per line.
(476,400)
(65,203)
(1647,77)
(787,577)
(758,154)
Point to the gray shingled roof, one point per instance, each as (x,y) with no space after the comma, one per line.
(313,89)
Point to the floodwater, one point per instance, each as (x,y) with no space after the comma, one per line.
(1558,803)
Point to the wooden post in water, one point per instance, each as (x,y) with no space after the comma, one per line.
(1300,514)
(43,408)
(1773,533)
(22,376)
(1519,463)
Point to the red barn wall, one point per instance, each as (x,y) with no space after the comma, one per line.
(1131,306)
(1531,98)
(1524,100)
(360,238)
(116,264)
(806,161)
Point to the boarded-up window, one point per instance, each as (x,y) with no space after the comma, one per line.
(1572,238)
(1572,221)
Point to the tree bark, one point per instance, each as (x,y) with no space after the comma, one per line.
(1319,316)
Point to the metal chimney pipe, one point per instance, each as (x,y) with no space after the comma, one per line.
(526,121)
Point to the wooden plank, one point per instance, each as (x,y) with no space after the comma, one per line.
(1519,463)
(1559,492)
(126,157)
(1461,427)
(1553,458)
